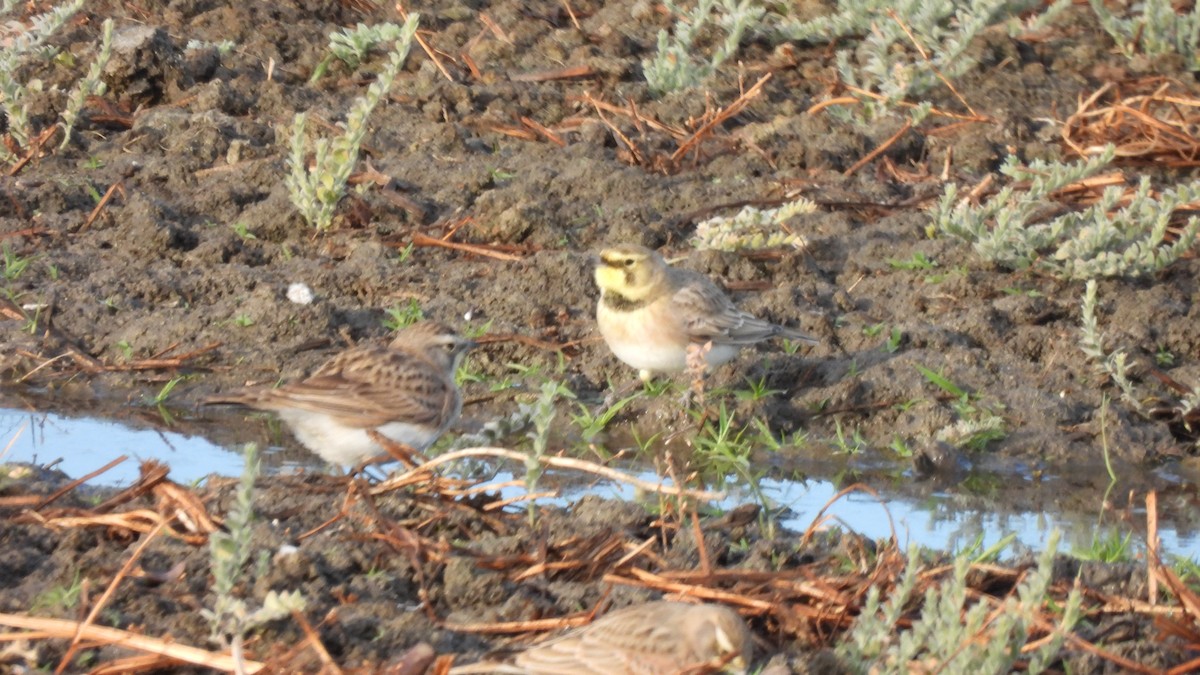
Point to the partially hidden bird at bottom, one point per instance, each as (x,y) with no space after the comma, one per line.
(655,638)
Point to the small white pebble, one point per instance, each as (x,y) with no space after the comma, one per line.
(287,549)
(470,313)
(300,294)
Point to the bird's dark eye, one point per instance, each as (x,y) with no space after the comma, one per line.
(629,262)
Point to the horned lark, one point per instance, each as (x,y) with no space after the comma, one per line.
(657,638)
(654,316)
(405,391)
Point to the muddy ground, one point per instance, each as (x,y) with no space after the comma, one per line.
(198,244)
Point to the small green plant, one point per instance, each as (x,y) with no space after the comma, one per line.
(722,445)
(591,424)
(1018,229)
(542,415)
(316,192)
(977,425)
(953,636)
(1187,569)
(849,445)
(1091,342)
(790,347)
(31,323)
(93,193)
(352,45)
(499,175)
(14,264)
(476,331)
(1109,547)
(242,230)
(895,337)
(753,229)
(900,447)
(874,330)
(1157,30)
(756,390)
(402,316)
(853,371)
(675,65)
(243,320)
(405,253)
(161,397)
(59,598)
(126,349)
(232,618)
(1029,293)
(918,261)
(1163,357)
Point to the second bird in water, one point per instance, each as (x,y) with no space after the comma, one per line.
(405,391)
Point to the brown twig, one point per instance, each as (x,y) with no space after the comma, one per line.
(866,159)
(419,239)
(555,462)
(77,482)
(425,46)
(106,596)
(730,110)
(119,638)
(87,223)
(568,73)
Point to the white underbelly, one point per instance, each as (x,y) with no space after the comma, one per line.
(642,340)
(339,444)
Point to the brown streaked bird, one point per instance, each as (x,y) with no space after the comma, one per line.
(653,316)
(405,391)
(656,638)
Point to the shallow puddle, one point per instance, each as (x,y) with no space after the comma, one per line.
(935,517)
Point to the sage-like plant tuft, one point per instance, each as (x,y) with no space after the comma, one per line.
(90,85)
(1091,342)
(351,45)
(1156,30)
(953,636)
(1023,228)
(15,45)
(886,69)
(231,618)
(675,65)
(753,228)
(316,191)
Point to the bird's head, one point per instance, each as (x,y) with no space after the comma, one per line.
(440,343)
(630,271)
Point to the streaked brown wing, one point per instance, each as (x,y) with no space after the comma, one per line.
(370,386)
(711,316)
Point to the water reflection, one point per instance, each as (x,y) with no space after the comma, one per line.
(941,519)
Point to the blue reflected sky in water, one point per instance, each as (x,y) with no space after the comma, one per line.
(85,445)
(939,521)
